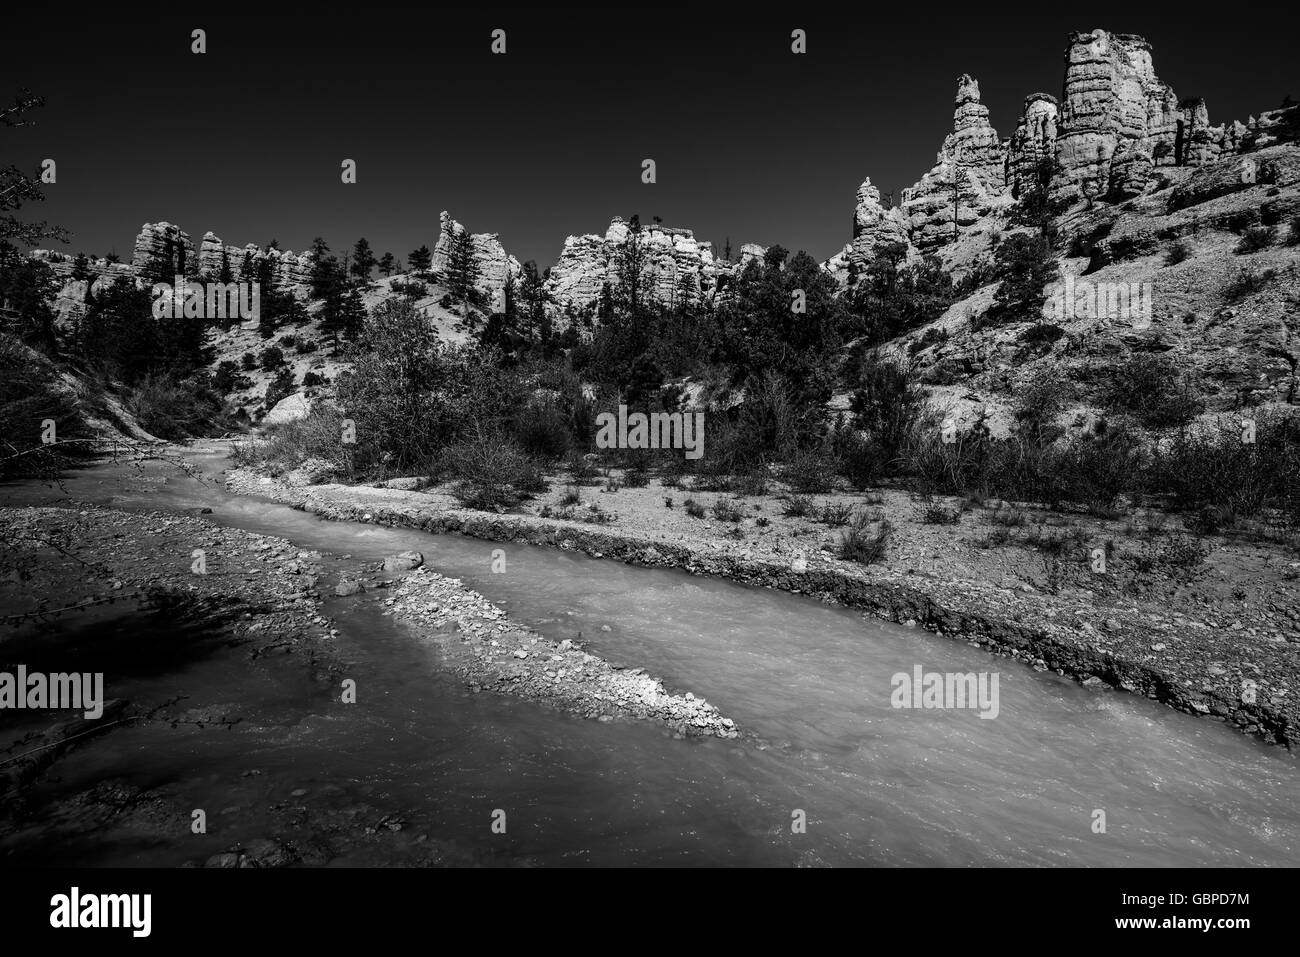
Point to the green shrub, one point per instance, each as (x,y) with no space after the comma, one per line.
(863,546)
(1154,390)
(1177,253)
(725,511)
(935,514)
(1256,238)
(811,471)
(1247,282)
(836,514)
(317,435)
(490,472)
(798,506)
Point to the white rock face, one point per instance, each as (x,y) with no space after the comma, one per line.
(289,269)
(968,180)
(494,264)
(874,226)
(1032,143)
(289,409)
(162,243)
(680,266)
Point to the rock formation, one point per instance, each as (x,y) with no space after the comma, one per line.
(679,266)
(968,180)
(1032,144)
(494,264)
(162,247)
(159,241)
(289,270)
(1119,121)
(874,226)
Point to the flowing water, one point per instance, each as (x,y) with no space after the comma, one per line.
(878,785)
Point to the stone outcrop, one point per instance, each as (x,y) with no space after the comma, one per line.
(968,180)
(1119,122)
(1105,140)
(678,265)
(494,265)
(162,248)
(1032,144)
(874,227)
(101,270)
(160,243)
(288,269)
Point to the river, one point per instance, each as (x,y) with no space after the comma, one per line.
(877,785)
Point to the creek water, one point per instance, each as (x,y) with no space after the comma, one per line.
(878,785)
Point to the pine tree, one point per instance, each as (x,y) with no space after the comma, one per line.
(225,275)
(420,259)
(323,269)
(387,264)
(363,260)
(462,269)
(353,317)
(81,267)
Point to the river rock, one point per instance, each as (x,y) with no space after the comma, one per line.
(403,562)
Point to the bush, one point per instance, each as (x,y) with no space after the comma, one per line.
(935,514)
(490,472)
(31,391)
(798,506)
(811,471)
(1217,475)
(1247,282)
(177,410)
(1256,238)
(272,358)
(1177,253)
(248,362)
(226,379)
(886,403)
(862,460)
(281,387)
(865,547)
(836,514)
(694,509)
(542,430)
(1025,266)
(317,435)
(1151,388)
(725,511)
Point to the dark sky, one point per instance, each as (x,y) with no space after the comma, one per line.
(751,141)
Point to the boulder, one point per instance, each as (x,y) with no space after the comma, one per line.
(289,409)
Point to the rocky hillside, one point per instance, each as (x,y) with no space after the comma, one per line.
(1147,197)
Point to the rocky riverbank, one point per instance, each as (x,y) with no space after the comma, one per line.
(1212,634)
(491,652)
